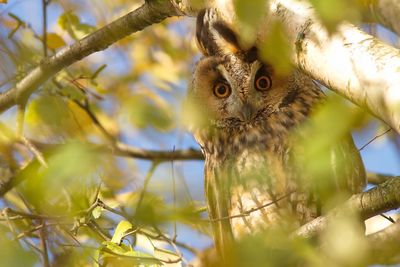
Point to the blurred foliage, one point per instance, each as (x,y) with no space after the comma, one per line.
(92,208)
(333,12)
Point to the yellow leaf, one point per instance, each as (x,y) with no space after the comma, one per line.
(54,41)
(3,1)
(122,228)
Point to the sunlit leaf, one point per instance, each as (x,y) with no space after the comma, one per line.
(54,41)
(150,110)
(122,228)
(68,170)
(275,49)
(13,254)
(325,146)
(70,22)
(97,212)
(334,12)
(3,1)
(249,14)
(120,255)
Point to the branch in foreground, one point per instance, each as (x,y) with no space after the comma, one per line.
(119,150)
(354,64)
(153,11)
(123,150)
(377,178)
(379,199)
(384,246)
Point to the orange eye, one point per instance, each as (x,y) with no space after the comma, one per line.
(263,83)
(222,90)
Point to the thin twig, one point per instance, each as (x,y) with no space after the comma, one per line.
(248,212)
(373,139)
(174,194)
(43,244)
(44,38)
(35,151)
(145,185)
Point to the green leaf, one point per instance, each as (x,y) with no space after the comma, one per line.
(120,255)
(334,12)
(148,109)
(275,49)
(122,228)
(250,15)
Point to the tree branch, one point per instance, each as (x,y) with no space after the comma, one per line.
(352,63)
(384,246)
(123,150)
(153,11)
(379,199)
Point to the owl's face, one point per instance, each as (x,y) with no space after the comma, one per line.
(237,90)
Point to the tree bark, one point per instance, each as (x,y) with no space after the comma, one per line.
(351,62)
(379,199)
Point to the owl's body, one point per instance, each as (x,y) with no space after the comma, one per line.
(252,181)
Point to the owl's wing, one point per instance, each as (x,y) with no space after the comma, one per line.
(217,198)
(333,171)
(351,174)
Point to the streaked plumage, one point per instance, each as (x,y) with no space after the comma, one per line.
(252,177)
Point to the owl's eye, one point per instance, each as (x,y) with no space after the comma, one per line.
(263,83)
(222,90)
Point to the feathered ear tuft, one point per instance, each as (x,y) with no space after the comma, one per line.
(214,36)
(204,35)
(229,36)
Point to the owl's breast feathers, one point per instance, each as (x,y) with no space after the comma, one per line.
(251,183)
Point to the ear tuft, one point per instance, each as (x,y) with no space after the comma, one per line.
(204,36)
(228,35)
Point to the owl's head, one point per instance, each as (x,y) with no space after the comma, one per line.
(231,87)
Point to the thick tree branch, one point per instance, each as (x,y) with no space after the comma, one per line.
(350,62)
(153,11)
(384,246)
(379,199)
(377,178)
(123,150)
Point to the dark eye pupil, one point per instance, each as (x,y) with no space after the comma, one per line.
(221,90)
(263,83)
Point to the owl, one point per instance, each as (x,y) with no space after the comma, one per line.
(247,114)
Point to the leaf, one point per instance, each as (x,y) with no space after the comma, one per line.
(250,15)
(148,109)
(3,1)
(122,228)
(54,41)
(275,49)
(70,22)
(334,12)
(97,72)
(97,212)
(121,255)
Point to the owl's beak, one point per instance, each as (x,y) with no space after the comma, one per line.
(247,112)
